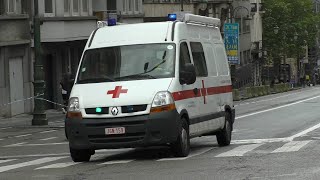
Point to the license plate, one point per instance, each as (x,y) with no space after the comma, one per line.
(117,130)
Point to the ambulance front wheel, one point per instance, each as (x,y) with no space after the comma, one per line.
(224,136)
(181,147)
(81,155)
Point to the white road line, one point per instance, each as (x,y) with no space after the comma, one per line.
(117,162)
(58,165)
(34,155)
(29,163)
(259,141)
(1,139)
(264,100)
(113,150)
(5,128)
(45,144)
(291,146)
(7,160)
(49,131)
(15,145)
(24,135)
(192,154)
(50,138)
(239,151)
(304,132)
(279,107)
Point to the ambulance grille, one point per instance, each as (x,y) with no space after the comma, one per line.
(104,110)
(130,137)
(134,108)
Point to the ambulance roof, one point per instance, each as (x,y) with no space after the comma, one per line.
(128,34)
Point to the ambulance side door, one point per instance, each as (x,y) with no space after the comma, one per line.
(189,92)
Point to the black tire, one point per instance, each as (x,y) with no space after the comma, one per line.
(224,136)
(81,155)
(181,147)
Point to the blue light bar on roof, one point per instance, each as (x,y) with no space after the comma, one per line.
(112,22)
(172,17)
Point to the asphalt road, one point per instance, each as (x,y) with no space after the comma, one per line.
(275,137)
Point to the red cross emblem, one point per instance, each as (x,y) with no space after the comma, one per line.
(204,92)
(117,91)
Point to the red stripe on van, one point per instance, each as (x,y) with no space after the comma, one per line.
(187,94)
(219,90)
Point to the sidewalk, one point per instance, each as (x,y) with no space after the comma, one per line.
(55,120)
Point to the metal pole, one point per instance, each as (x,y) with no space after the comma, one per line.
(39,116)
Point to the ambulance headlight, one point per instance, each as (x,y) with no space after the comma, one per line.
(162,101)
(74,105)
(74,109)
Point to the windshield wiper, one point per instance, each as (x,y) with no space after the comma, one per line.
(142,75)
(96,80)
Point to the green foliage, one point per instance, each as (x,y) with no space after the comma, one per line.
(292,17)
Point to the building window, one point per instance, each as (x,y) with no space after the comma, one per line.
(75,7)
(112,4)
(49,7)
(136,6)
(11,7)
(67,7)
(84,7)
(124,6)
(246,26)
(130,5)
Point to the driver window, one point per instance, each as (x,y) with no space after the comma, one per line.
(184,55)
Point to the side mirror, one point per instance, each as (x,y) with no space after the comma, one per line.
(188,74)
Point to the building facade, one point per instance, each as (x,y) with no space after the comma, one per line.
(65,27)
(126,11)
(16,67)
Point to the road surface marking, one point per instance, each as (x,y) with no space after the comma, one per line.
(24,135)
(304,132)
(259,141)
(239,151)
(291,146)
(279,107)
(58,165)
(7,160)
(45,144)
(1,139)
(50,138)
(49,131)
(30,163)
(117,162)
(192,154)
(114,150)
(15,145)
(273,177)
(264,100)
(5,128)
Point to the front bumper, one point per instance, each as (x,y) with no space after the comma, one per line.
(146,130)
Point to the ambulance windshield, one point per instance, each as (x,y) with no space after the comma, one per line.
(127,63)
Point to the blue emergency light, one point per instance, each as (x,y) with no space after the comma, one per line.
(172,17)
(112,22)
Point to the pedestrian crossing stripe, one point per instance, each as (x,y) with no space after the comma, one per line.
(58,165)
(29,163)
(242,150)
(291,146)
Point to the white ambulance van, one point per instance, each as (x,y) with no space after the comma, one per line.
(151,84)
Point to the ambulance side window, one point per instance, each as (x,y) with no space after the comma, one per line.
(184,55)
(199,59)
